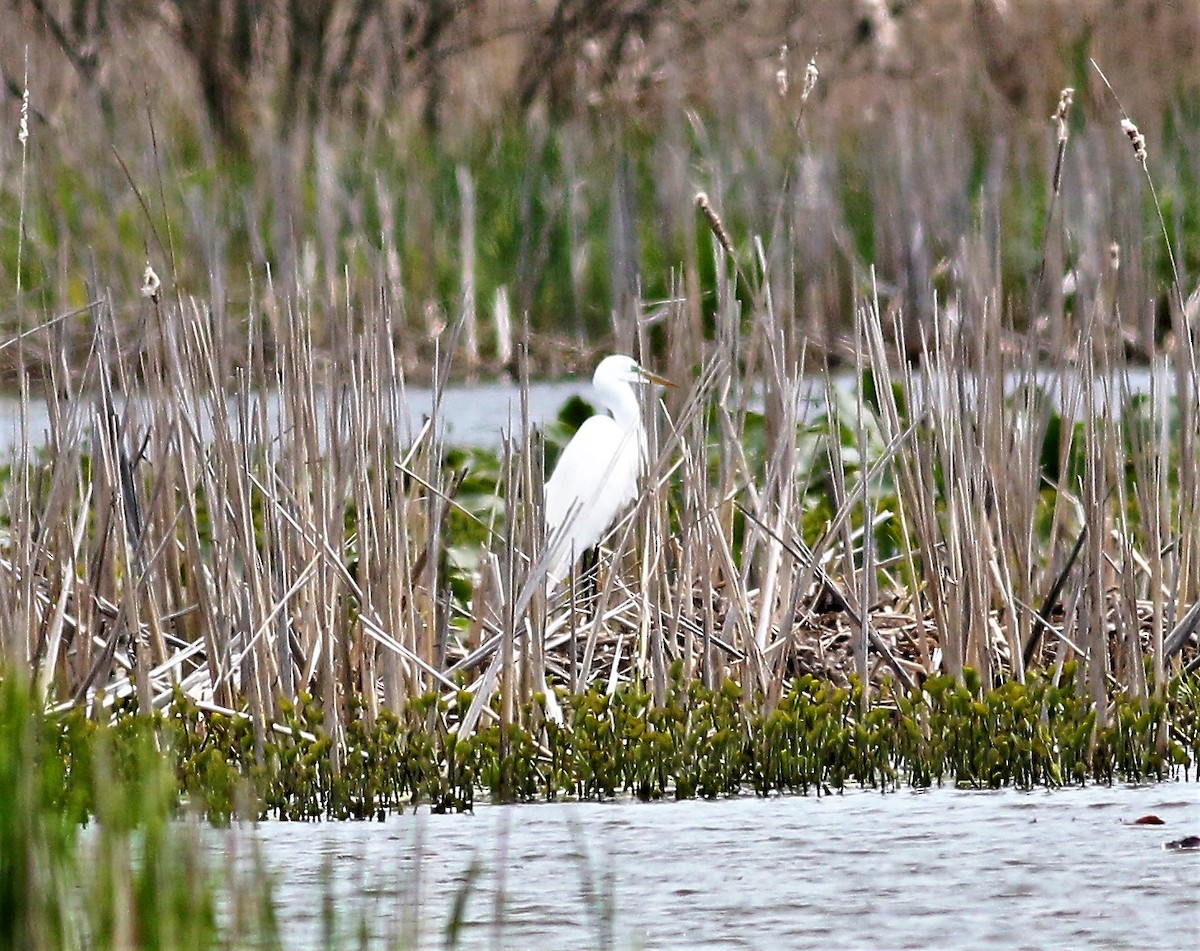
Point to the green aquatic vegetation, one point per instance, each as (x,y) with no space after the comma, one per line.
(138,876)
(699,742)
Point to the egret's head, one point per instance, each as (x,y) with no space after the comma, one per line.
(619,369)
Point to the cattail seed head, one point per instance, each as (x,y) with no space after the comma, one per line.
(1135,137)
(23,126)
(1063,112)
(151,285)
(714,222)
(811,75)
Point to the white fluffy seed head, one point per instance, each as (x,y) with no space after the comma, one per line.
(151,285)
(23,125)
(1063,111)
(1136,138)
(811,75)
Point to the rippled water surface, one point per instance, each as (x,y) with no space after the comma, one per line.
(941,869)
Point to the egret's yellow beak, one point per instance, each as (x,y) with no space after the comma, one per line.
(654,378)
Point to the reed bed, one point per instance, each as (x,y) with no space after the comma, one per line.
(231,525)
(235,554)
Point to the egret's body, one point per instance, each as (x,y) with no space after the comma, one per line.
(597,474)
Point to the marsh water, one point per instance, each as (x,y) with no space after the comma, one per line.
(472,415)
(937,869)
(481,414)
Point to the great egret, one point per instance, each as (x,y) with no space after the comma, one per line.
(596,475)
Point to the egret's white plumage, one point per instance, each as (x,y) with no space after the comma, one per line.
(597,473)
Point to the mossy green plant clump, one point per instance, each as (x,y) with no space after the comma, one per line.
(699,743)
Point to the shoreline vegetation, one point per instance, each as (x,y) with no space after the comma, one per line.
(980,566)
(144,877)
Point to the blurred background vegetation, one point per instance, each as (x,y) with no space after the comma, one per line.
(513,160)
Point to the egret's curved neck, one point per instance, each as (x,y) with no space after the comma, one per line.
(622,402)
